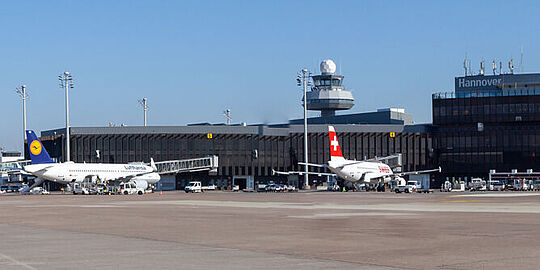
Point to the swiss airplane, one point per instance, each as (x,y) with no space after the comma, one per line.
(44,168)
(367,171)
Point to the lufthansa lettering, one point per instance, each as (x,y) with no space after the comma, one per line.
(465,83)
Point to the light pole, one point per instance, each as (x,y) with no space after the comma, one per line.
(66,82)
(303,80)
(143,103)
(22,92)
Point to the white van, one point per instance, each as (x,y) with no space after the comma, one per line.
(194,186)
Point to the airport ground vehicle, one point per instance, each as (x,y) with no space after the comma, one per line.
(39,190)
(496,186)
(409,187)
(536,185)
(131,188)
(209,187)
(79,188)
(514,184)
(194,186)
(477,184)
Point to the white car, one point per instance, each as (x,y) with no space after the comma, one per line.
(211,187)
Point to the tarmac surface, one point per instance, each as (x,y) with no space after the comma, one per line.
(312,230)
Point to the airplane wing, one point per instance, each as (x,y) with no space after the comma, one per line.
(122,179)
(417,172)
(313,164)
(274,172)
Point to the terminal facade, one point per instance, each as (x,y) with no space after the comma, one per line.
(488,123)
(247,153)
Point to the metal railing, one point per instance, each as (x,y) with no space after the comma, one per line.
(187,165)
(499,93)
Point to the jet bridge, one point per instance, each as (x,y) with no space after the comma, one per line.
(395,161)
(188,165)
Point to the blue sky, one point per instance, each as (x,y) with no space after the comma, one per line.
(193,59)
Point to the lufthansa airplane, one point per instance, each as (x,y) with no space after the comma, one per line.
(366,171)
(44,168)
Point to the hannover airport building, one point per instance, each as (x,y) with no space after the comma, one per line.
(490,122)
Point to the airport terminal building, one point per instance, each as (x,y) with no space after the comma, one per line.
(489,122)
(251,152)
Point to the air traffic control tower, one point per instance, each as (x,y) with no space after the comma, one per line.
(328,95)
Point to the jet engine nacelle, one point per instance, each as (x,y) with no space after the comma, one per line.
(150,178)
(143,184)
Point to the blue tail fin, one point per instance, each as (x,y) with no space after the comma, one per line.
(38,154)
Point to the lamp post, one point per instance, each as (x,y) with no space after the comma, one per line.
(303,80)
(66,82)
(22,92)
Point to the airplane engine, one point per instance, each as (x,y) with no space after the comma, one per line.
(141,183)
(150,178)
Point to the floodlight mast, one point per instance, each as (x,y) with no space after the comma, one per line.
(22,92)
(303,80)
(66,82)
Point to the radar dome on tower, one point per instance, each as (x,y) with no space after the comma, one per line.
(328,67)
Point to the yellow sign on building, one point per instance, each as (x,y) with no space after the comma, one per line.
(392,134)
(209,135)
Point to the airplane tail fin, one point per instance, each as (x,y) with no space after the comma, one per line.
(335,150)
(153,164)
(38,154)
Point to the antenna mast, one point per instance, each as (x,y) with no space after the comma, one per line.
(227,114)
(144,104)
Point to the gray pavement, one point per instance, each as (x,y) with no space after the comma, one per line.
(268,231)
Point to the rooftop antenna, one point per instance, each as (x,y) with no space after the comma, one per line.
(521,60)
(482,67)
(511,66)
(227,114)
(500,68)
(465,65)
(144,104)
(470,70)
(494,67)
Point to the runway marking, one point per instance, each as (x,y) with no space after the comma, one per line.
(499,195)
(340,215)
(462,201)
(17,262)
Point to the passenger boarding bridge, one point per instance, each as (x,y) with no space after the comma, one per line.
(188,165)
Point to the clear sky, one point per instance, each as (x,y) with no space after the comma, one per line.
(194,59)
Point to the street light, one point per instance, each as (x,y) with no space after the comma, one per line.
(22,92)
(66,82)
(302,80)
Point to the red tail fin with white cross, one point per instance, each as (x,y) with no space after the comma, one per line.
(335,150)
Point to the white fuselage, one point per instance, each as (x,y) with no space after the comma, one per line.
(70,172)
(363,171)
